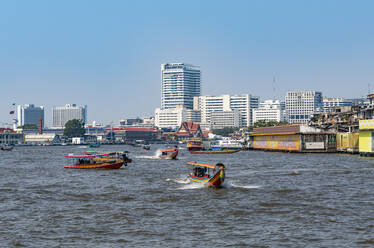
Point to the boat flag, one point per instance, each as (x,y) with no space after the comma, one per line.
(11,112)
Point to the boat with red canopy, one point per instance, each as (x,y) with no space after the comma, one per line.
(202,174)
(98,161)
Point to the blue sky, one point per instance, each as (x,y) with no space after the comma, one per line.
(107,54)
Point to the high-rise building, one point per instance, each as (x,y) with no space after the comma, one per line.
(243,103)
(179,84)
(29,114)
(300,105)
(61,115)
(269,110)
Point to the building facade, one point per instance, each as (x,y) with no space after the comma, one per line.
(330,103)
(180,83)
(61,115)
(29,114)
(300,105)
(269,110)
(222,119)
(170,118)
(243,103)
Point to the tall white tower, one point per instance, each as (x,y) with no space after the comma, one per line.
(179,84)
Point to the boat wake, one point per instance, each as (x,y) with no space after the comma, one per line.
(229,185)
(148,157)
(179,180)
(190,185)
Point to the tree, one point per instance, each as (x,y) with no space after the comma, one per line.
(74,128)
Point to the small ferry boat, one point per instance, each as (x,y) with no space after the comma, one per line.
(110,155)
(202,174)
(146,147)
(214,151)
(6,148)
(169,154)
(98,161)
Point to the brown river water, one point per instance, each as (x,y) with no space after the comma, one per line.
(268,200)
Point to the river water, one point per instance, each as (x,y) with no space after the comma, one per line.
(268,200)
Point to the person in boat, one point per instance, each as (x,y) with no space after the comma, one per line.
(164,153)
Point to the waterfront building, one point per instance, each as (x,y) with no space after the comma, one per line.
(61,115)
(180,83)
(300,105)
(330,103)
(29,114)
(170,118)
(293,138)
(243,103)
(366,147)
(9,137)
(222,119)
(269,110)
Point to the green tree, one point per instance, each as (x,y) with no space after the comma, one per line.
(74,128)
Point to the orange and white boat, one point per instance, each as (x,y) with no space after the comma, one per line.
(169,154)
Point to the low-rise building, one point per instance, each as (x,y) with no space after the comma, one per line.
(170,118)
(366,147)
(293,138)
(9,137)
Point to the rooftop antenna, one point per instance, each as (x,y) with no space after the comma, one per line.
(273,87)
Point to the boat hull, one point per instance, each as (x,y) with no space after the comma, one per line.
(170,156)
(215,181)
(95,166)
(215,152)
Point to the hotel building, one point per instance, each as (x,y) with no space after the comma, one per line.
(61,115)
(180,83)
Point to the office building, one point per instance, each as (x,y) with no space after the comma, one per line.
(269,110)
(29,114)
(300,105)
(180,83)
(243,103)
(61,115)
(222,119)
(170,118)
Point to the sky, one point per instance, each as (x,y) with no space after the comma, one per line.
(107,54)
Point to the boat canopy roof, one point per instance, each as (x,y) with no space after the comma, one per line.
(168,150)
(211,166)
(89,156)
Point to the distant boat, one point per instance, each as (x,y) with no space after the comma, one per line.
(146,147)
(6,148)
(95,145)
(99,161)
(202,174)
(169,154)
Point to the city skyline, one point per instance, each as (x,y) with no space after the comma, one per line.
(53,54)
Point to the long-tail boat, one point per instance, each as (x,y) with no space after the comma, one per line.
(6,148)
(98,161)
(202,174)
(169,154)
(214,151)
